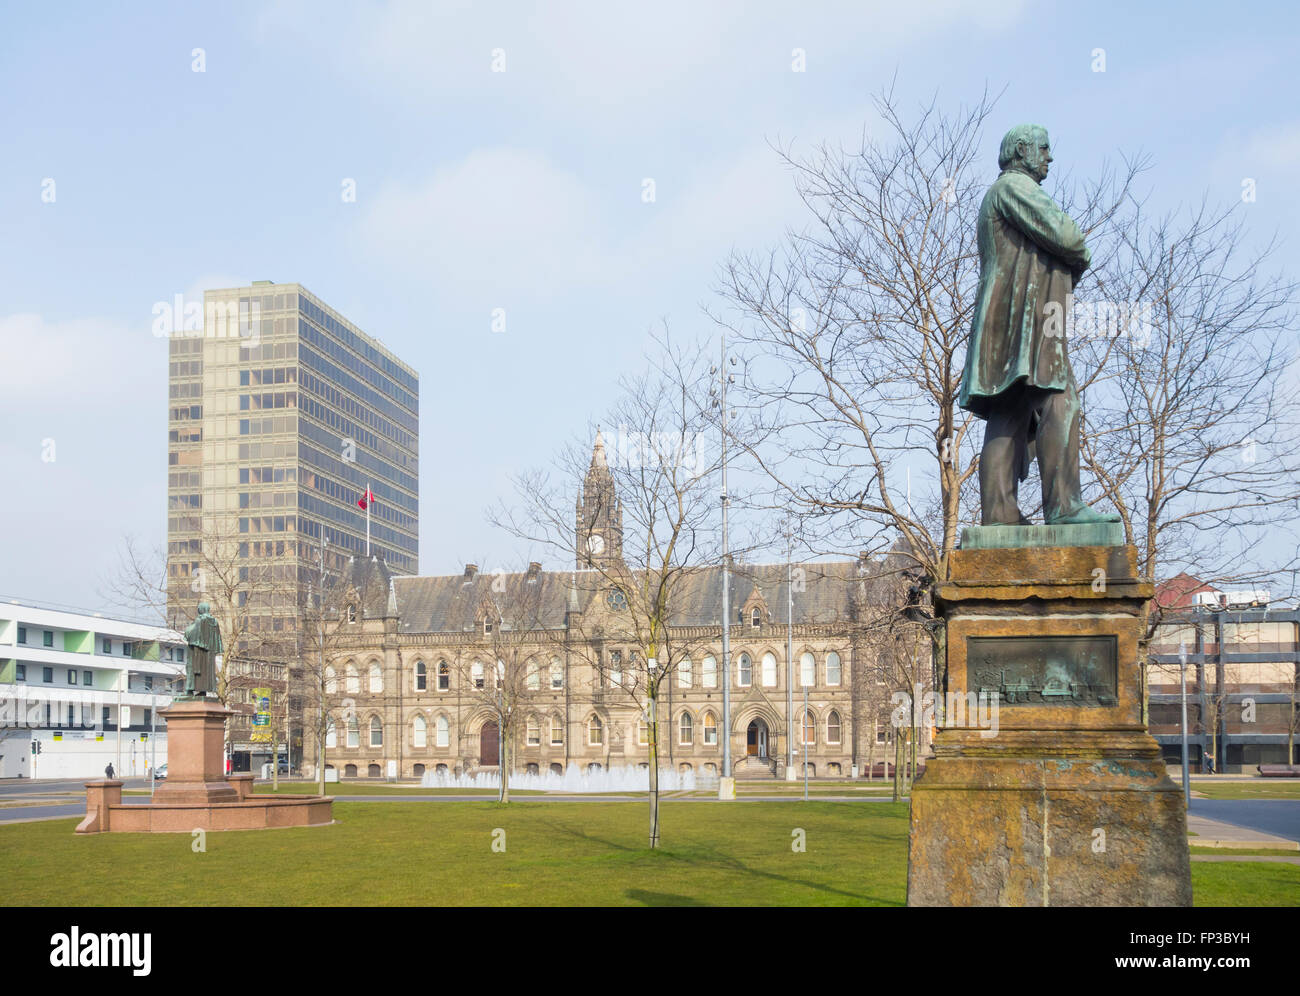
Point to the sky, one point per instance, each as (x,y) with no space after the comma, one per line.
(500,155)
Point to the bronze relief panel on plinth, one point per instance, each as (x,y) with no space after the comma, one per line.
(1044,670)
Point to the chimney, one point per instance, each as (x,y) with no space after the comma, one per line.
(534,571)
(470,571)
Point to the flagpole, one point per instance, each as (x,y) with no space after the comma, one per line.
(369,502)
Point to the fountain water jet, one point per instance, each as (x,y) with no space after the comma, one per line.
(575,780)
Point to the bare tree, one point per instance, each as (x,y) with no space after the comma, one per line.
(855,334)
(1184,343)
(856,330)
(502,662)
(647,538)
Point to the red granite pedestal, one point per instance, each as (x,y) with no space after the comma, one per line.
(197,795)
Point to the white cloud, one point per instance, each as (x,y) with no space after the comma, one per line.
(499,219)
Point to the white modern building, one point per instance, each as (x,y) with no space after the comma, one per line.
(79,691)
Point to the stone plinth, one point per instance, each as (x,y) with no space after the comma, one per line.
(196,759)
(1058,796)
(197,795)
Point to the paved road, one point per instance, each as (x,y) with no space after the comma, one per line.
(1279,817)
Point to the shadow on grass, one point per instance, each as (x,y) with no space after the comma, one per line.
(661,898)
(713,857)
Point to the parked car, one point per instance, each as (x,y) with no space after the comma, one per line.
(160,772)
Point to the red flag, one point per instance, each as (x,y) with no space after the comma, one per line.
(367,499)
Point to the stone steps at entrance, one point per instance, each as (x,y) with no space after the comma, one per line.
(752,766)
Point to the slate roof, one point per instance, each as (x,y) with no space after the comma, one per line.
(454,603)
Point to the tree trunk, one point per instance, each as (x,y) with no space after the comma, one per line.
(275,759)
(504,760)
(654,772)
(898,749)
(911,742)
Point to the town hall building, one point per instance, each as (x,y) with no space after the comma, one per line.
(419,667)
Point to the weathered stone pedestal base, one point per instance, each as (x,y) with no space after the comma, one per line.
(1050,793)
(1047,831)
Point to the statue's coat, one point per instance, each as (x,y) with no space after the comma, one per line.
(1031,255)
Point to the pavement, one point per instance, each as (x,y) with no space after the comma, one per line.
(1242,823)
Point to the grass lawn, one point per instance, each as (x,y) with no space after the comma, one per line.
(1263,788)
(557,853)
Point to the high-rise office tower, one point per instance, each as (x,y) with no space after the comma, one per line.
(281,415)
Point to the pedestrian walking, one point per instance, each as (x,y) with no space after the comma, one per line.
(108,771)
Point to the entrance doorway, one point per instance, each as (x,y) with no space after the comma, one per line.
(488,744)
(756,739)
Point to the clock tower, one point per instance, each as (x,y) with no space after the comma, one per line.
(599,515)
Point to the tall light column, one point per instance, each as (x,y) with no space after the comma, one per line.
(789,651)
(726,577)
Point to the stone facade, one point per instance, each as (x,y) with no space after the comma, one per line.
(409,684)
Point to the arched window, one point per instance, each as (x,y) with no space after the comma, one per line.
(444,731)
(376,679)
(352,612)
(533,731)
(807,670)
(615,667)
(557,730)
(349,771)
(557,768)
(376,732)
(533,676)
(421,677)
(557,673)
(755,618)
(769,670)
(331,733)
(833,728)
(684,673)
(834,672)
(684,768)
(373,771)
(444,676)
(331,681)
(686,730)
(530,768)
(354,732)
(595,732)
(421,731)
(746,667)
(710,729)
(710,676)
(353,679)
(418,771)
(476,674)
(809,728)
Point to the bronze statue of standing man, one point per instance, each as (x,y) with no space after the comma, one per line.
(1017,376)
(204,638)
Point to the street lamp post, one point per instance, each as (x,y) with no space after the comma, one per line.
(1182,681)
(789,650)
(725,378)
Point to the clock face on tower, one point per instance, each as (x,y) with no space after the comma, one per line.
(595,544)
